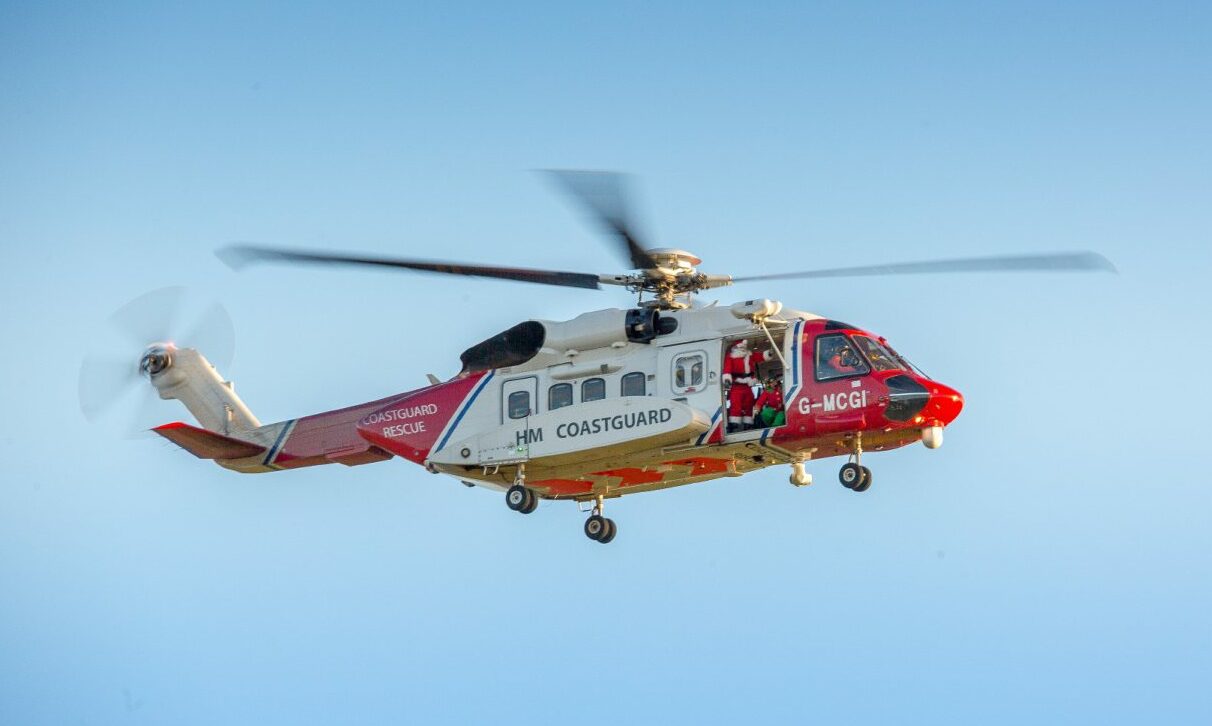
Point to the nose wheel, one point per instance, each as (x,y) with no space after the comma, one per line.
(854,475)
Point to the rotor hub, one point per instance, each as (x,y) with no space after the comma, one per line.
(156,359)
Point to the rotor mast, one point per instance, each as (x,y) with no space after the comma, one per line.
(671,280)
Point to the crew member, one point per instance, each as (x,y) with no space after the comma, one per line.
(740,375)
(768,411)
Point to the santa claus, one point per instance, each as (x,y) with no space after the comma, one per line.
(740,375)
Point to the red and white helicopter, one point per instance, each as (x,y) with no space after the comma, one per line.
(611,402)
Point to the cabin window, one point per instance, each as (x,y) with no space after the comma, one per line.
(593,389)
(519,404)
(633,384)
(559,396)
(689,372)
(837,358)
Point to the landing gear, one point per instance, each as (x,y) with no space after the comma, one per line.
(854,475)
(599,528)
(851,475)
(519,497)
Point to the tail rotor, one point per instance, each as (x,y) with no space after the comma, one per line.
(139,341)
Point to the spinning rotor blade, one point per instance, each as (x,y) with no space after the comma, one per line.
(150,317)
(1062,262)
(104,381)
(214,336)
(107,381)
(604,196)
(240,256)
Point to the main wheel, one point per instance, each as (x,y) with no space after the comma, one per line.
(865,484)
(517,497)
(851,475)
(611,531)
(532,502)
(596,527)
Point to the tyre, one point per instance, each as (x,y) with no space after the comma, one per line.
(866,483)
(611,531)
(595,527)
(532,502)
(517,497)
(850,475)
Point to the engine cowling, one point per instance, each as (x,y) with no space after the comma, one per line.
(598,329)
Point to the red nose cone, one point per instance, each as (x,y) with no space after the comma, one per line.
(945,403)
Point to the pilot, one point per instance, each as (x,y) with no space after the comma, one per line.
(844,359)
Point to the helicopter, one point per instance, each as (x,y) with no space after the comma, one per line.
(612,402)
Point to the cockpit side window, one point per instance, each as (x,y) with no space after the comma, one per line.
(881,358)
(837,358)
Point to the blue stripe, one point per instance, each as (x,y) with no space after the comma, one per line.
(273,450)
(710,428)
(795,360)
(459,415)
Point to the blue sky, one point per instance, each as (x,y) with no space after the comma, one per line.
(1049,563)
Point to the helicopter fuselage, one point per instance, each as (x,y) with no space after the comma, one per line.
(603,406)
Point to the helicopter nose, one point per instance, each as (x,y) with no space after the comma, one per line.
(944,405)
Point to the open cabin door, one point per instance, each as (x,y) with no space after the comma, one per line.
(758,407)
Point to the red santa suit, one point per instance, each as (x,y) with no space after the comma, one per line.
(740,370)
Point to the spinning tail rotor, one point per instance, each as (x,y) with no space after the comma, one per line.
(142,340)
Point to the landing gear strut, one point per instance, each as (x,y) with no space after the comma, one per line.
(854,475)
(599,528)
(519,497)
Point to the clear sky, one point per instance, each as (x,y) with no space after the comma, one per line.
(1049,564)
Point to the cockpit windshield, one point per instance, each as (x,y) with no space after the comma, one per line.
(905,364)
(882,359)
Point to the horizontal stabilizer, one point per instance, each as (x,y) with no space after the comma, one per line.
(207,444)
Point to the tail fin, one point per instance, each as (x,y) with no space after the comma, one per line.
(186,375)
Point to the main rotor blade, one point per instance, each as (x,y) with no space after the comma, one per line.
(240,256)
(1062,262)
(604,196)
